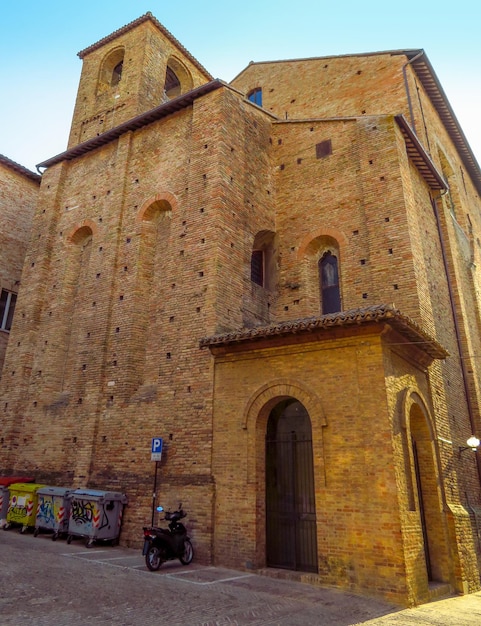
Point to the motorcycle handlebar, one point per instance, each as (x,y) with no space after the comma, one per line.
(172,515)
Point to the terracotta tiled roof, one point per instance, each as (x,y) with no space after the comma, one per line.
(382,313)
(20,169)
(144,18)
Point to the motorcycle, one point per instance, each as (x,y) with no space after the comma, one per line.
(162,544)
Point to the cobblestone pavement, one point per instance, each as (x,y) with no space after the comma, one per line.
(45,582)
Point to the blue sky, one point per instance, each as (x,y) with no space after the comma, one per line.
(40,70)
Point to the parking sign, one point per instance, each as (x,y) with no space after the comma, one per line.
(156,450)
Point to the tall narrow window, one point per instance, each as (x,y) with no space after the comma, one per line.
(117,74)
(255,96)
(7,308)
(257,267)
(329,284)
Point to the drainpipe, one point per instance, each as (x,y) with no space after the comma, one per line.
(457,331)
(406,85)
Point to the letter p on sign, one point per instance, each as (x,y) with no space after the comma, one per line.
(156,450)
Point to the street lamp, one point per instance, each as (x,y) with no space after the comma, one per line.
(473,444)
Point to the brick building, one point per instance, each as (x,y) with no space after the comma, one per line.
(278,276)
(18,197)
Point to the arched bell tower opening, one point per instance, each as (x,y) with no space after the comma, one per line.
(291,540)
(111,70)
(177,79)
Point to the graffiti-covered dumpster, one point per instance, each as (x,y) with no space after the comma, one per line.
(53,510)
(22,505)
(5,482)
(95,515)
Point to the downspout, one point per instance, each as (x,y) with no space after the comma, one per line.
(406,86)
(457,331)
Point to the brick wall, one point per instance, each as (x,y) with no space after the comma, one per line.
(18,197)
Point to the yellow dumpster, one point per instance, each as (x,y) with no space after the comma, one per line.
(22,505)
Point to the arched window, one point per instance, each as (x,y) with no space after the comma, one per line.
(117,74)
(255,96)
(178,79)
(111,70)
(329,283)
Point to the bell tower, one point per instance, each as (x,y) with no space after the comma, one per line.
(129,72)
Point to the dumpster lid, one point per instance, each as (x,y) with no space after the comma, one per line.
(97,494)
(54,491)
(28,487)
(9,480)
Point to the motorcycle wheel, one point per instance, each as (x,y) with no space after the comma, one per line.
(188,555)
(153,558)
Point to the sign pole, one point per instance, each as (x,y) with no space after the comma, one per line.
(156,455)
(154,495)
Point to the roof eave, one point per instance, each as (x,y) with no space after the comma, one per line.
(420,157)
(163,110)
(20,169)
(369,315)
(426,74)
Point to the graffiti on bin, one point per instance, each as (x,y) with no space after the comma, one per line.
(84,513)
(46,512)
(19,508)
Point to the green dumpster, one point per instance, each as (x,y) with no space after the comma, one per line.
(22,505)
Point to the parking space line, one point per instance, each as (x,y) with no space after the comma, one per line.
(209,582)
(178,576)
(120,558)
(80,553)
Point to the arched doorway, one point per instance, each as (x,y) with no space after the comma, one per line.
(427,499)
(291,539)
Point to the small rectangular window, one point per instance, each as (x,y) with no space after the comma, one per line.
(7,308)
(257,267)
(323,149)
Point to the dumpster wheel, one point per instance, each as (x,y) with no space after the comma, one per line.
(35,532)
(89,543)
(69,539)
(6,526)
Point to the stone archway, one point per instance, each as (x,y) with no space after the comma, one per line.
(426,496)
(255,421)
